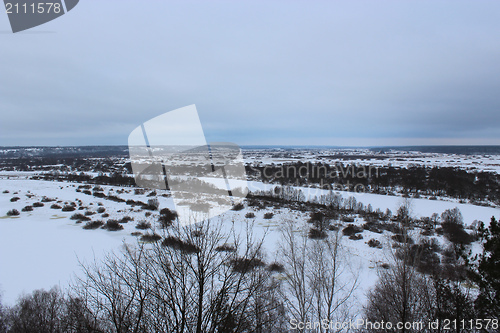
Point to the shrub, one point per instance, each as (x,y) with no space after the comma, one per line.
(268,215)
(347,219)
(93,225)
(105,215)
(27,209)
(45,199)
(374,243)
(276,267)
(153,204)
(68,208)
(356,237)
(131,202)
(178,244)
(150,238)
(38,204)
(225,248)
(238,206)
(114,198)
(400,238)
(136,233)
(143,225)
(101,210)
(79,217)
(13,212)
(55,206)
(99,195)
(167,217)
(89,213)
(87,192)
(152,194)
(249,215)
(97,188)
(139,191)
(456,233)
(372,226)
(6,191)
(317,234)
(351,230)
(14,199)
(125,219)
(112,225)
(244,265)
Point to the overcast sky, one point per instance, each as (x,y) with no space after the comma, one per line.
(260,72)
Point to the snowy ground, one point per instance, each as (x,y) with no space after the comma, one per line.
(42,248)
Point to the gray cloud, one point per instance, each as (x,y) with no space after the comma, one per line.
(260,72)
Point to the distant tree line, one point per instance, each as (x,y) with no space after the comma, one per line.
(415,180)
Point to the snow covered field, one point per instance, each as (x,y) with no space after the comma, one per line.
(42,248)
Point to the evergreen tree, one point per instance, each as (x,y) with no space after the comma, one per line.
(487,272)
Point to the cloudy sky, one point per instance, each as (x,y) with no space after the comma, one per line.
(260,72)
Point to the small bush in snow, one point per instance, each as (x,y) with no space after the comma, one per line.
(68,208)
(400,238)
(317,234)
(6,191)
(356,237)
(238,206)
(13,212)
(244,265)
(268,216)
(150,238)
(27,209)
(139,191)
(112,225)
(167,217)
(276,267)
(93,225)
(143,225)
(55,206)
(347,219)
(38,204)
(225,248)
(14,199)
(351,230)
(125,219)
(101,210)
(249,215)
(178,244)
(79,217)
(374,243)
(153,204)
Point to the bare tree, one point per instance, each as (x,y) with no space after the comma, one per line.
(402,294)
(201,278)
(116,290)
(318,284)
